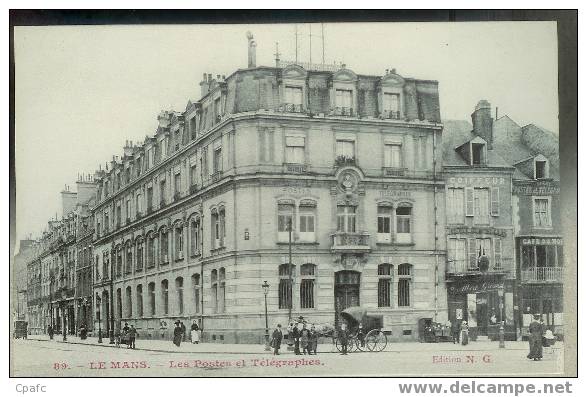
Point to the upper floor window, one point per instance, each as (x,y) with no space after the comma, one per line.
(193,175)
(195,237)
(164,249)
(177,185)
(218,159)
(307,222)
(285,219)
(345,150)
(139,254)
(403,214)
(391,105)
(346,218)
(177,139)
(295,149)
(384,213)
(149,198)
(392,155)
(128,264)
(162,192)
(455,203)
(192,127)
(477,153)
(178,243)
(344,101)
(217,110)
(481,206)
(542,214)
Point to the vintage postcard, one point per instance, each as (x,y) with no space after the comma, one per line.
(282,200)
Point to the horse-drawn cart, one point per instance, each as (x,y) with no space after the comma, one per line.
(365,330)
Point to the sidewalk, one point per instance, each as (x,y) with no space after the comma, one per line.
(225,348)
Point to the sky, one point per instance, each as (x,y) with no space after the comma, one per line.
(81,92)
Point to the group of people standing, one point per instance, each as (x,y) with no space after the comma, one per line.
(300,335)
(460,332)
(180,334)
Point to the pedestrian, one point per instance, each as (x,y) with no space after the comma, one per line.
(276,338)
(50,331)
(305,339)
(132,336)
(126,328)
(183,331)
(195,333)
(536,329)
(456,331)
(83,332)
(313,339)
(177,334)
(343,338)
(295,333)
(464,333)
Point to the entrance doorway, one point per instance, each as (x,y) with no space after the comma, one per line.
(346,291)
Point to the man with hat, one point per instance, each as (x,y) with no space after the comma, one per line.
(177,334)
(536,329)
(276,338)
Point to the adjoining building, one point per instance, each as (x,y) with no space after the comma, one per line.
(190,223)
(480,271)
(533,151)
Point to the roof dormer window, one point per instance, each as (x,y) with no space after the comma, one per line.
(541,168)
(478,154)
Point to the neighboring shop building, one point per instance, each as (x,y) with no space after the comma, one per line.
(480,270)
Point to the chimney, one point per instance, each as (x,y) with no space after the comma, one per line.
(204,85)
(128,149)
(252,51)
(68,201)
(483,122)
(86,189)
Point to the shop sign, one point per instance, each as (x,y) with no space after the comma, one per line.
(476,181)
(472,288)
(542,241)
(536,190)
(477,230)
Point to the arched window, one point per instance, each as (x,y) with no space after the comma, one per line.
(214,289)
(165,296)
(118,260)
(140,300)
(286,273)
(151,289)
(307,285)
(404,274)
(178,241)
(221,290)
(384,272)
(151,252)
(97,267)
(140,256)
(195,237)
(164,252)
(196,295)
(128,264)
(128,302)
(179,292)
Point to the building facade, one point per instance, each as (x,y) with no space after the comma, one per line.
(190,223)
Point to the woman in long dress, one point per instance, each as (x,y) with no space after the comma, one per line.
(177,334)
(464,333)
(195,332)
(535,340)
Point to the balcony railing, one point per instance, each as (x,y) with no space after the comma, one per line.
(350,242)
(290,108)
(393,171)
(295,168)
(344,160)
(465,266)
(342,111)
(542,275)
(390,114)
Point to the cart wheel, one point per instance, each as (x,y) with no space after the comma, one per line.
(337,344)
(376,340)
(353,344)
(362,346)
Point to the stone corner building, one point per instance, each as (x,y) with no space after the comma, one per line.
(190,223)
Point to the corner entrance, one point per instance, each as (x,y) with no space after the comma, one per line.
(346,291)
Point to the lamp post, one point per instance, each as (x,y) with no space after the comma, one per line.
(98,303)
(265,287)
(502,322)
(64,307)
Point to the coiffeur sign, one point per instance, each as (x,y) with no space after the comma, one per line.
(472,287)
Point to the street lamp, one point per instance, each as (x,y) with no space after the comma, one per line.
(64,306)
(98,303)
(265,287)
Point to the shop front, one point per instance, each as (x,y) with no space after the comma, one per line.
(483,301)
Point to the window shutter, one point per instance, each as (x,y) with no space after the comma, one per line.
(497,253)
(473,254)
(470,201)
(495,201)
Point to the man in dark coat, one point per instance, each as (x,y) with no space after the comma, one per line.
(177,334)
(313,339)
(132,337)
(343,338)
(536,331)
(455,330)
(295,333)
(276,338)
(50,331)
(183,330)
